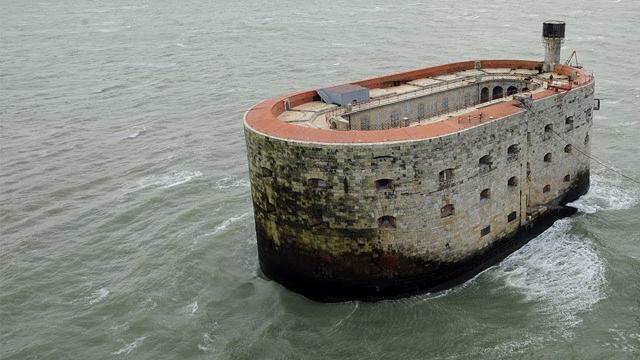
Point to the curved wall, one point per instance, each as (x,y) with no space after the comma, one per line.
(343,221)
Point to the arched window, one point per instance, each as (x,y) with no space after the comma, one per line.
(568,149)
(447,210)
(511,90)
(497,92)
(547,157)
(384,184)
(266,172)
(485,194)
(567,178)
(513,181)
(387,221)
(548,131)
(546,188)
(484,94)
(512,152)
(485,164)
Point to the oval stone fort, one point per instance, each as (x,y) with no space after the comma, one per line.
(416,181)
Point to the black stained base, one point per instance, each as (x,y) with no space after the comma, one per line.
(380,276)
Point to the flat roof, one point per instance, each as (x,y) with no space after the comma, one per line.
(268,117)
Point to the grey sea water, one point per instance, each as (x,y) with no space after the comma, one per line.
(126,222)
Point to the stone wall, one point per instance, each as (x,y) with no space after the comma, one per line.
(339,211)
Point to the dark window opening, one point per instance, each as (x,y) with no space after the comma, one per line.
(511,90)
(386,222)
(485,231)
(497,92)
(528,171)
(546,188)
(394,118)
(447,210)
(512,152)
(513,181)
(445,177)
(384,184)
(420,111)
(567,178)
(568,149)
(484,95)
(586,139)
(485,163)
(547,157)
(266,172)
(568,120)
(485,194)
(365,124)
(316,217)
(318,183)
(529,138)
(548,130)
(512,216)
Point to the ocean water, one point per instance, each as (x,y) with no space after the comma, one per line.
(126,226)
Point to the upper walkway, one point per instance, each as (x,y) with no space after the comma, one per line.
(307,118)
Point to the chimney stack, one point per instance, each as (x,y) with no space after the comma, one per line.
(552,36)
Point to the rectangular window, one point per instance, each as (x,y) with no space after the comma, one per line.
(512,216)
(486,230)
(365,123)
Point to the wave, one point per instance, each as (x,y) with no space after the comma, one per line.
(193,307)
(606,193)
(137,133)
(560,273)
(98,295)
(232,181)
(127,349)
(168,181)
(225,224)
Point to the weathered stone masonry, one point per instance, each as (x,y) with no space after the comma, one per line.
(345,220)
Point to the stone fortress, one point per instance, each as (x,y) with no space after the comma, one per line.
(416,181)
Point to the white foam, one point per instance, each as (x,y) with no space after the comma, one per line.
(232,181)
(127,349)
(208,344)
(561,274)
(137,133)
(225,224)
(168,181)
(193,307)
(98,295)
(605,193)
